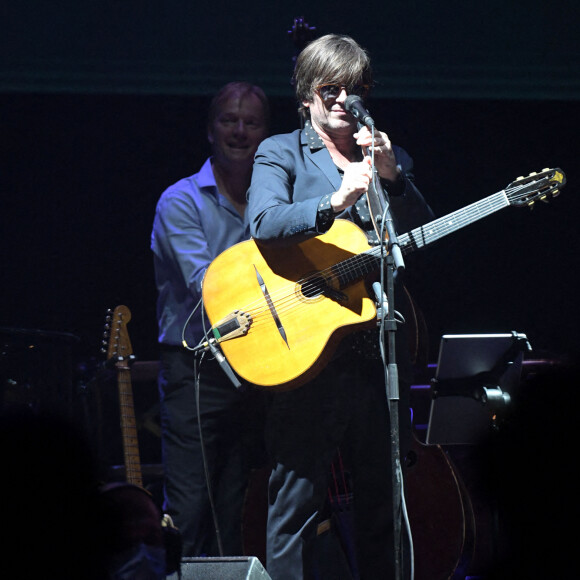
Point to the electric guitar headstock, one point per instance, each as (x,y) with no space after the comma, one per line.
(119,345)
(525,191)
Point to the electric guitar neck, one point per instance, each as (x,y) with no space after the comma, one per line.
(120,354)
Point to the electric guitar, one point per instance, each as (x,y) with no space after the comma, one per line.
(120,354)
(279,314)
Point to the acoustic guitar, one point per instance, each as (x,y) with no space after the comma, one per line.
(279,314)
(120,355)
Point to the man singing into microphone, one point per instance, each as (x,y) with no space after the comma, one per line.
(300,183)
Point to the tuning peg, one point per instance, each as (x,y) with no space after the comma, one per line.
(519,178)
(533,173)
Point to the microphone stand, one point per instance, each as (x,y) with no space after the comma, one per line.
(394,261)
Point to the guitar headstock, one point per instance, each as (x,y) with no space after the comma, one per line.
(525,191)
(119,344)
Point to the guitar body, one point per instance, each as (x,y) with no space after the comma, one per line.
(288,344)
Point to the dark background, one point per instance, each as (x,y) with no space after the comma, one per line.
(102,106)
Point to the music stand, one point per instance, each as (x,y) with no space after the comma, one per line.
(475,375)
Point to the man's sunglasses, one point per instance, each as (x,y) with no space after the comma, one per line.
(331,91)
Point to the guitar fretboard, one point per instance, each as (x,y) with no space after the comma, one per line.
(129,427)
(359,266)
(439,228)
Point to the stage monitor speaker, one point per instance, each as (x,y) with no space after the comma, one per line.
(229,568)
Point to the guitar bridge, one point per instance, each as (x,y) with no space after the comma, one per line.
(232,326)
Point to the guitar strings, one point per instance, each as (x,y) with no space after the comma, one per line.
(294,296)
(471,213)
(455,220)
(355,265)
(480,209)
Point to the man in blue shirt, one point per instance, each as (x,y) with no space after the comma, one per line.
(196,219)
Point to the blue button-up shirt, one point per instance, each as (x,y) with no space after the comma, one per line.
(194,223)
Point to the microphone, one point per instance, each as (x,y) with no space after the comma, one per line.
(354,105)
(222,361)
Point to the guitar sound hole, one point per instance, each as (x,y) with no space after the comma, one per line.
(313,286)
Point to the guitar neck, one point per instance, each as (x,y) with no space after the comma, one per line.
(129,427)
(439,228)
(361,265)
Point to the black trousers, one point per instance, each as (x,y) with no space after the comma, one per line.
(344,407)
(232,441)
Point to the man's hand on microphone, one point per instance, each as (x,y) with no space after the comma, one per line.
(355,182)
(385,161)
